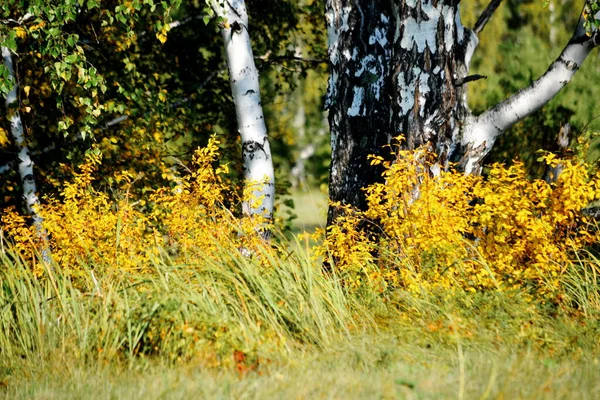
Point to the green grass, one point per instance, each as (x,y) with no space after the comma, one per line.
(232,328)
(380,367)
(310,207)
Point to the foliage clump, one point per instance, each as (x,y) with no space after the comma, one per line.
(446,230)
(124,231)
(424,230)
(175,275)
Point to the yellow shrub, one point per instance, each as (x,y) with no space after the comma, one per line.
(451,231)
(87,226)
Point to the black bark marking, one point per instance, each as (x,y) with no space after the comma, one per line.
(250,147)
(29,178)
(236,27)
(570,65)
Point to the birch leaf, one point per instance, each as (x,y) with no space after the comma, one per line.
(3,137)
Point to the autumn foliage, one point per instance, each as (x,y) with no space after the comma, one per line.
(450,231)
(437,231)
(90,226)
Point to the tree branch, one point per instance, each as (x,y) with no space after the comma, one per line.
(19,21)
(481,132)
(530,99)
(485,17)
(273,59)
(178,23)
(467,79)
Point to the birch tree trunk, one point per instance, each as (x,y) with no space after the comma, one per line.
(243,75)
(401,68)
(25,164)
(359,96)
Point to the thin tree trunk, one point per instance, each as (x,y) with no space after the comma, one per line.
(25,165)
(243,75)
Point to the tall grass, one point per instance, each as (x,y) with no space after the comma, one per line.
(275,326)
(258,307)
(582,284)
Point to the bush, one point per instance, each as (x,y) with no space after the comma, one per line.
(467,233)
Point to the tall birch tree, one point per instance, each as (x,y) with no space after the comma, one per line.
(259,177)
(25,163)
(402,68)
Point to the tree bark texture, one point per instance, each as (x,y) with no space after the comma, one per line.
(395,70)
(359,96)
(243,75)
(401,68)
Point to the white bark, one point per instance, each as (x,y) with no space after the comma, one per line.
(243,75)
(25,162)
(32,201)
(552,18)
(481,132)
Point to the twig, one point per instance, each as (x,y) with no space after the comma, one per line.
(485,17)
(267,58)
(467,79)
(19,21)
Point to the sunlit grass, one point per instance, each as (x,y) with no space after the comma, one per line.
(163,304)
(231,328)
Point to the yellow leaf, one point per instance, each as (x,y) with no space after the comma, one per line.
(21,33)
(3,137)
(26,89)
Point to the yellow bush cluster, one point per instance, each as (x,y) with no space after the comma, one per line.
(87,226)
(434,229)
(192,214)
(452,231)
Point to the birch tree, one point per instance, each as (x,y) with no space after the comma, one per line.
(258,165)
(25,163)
(402,68)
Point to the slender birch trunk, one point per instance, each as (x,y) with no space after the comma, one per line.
(25,162)
(243,75)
